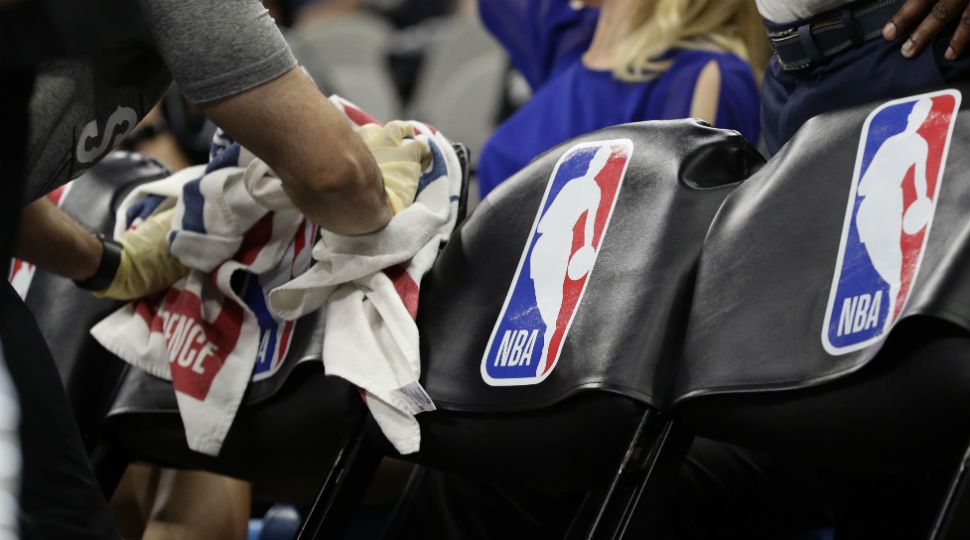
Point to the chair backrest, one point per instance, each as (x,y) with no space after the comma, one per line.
(514,316)
(65,313)
(812,262)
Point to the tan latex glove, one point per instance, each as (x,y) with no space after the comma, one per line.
(146,266)
(400,158)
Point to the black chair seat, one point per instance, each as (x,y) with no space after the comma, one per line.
(572,445)
(908,411)
(283,444)
(282,439)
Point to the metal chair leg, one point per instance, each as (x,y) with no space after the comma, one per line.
(397,523)
(350,475)
(650,466)
(953,520)
(585,515)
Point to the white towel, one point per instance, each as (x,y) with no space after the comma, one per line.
(211,332)
(371,338)
(235,227)
(146,199)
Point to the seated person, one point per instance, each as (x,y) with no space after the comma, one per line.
(908,47)
(624,62)
(920,47)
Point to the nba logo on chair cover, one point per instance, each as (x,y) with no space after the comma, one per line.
(896,184)
(556,264)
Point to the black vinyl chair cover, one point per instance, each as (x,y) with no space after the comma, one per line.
(627,327)
(761,367)
(65,313)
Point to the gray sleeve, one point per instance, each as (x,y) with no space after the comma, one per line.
(76,118)
(217,48)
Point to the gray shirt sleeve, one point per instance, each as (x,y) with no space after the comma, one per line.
(213,48)
(76,118)
(217,48)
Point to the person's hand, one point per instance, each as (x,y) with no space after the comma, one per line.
(146,265)
(930,17)
(400,157)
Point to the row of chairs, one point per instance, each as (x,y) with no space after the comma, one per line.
(702,317)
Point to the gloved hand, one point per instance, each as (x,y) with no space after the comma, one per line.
(400,159)
(146,266)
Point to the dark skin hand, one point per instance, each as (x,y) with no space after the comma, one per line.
(924,20)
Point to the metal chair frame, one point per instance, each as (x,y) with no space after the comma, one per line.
(646,471)
(953,520)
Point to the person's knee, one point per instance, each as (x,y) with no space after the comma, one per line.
(197,504)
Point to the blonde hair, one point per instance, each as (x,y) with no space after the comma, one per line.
(658,26)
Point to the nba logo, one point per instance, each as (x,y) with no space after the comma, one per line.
(556,264)
(895,187)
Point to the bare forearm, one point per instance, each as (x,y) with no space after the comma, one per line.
(325,167)
(56,243)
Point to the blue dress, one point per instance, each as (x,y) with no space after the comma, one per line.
(545,40)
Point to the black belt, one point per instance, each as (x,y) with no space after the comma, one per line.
(830,33)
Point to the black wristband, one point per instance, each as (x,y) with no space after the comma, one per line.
(107,268)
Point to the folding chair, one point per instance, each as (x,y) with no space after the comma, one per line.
(794,345)
(592,419)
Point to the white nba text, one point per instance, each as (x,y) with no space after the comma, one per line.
(516,348)
(859,313)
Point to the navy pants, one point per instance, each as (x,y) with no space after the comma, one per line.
(873,71)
